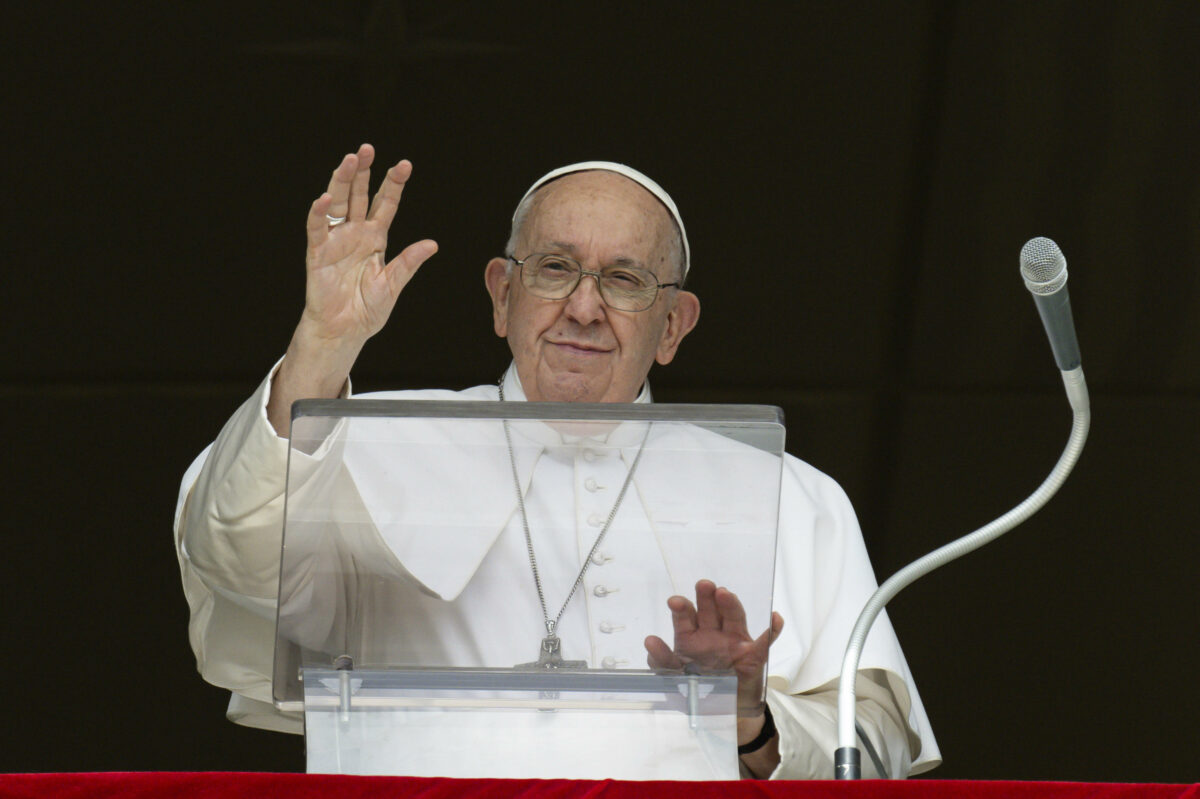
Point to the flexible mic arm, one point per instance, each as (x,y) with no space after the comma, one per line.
(847,760)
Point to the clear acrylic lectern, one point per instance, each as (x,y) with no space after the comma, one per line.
(466,588)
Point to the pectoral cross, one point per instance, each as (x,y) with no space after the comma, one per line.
(550,656)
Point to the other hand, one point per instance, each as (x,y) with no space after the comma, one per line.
(713,634)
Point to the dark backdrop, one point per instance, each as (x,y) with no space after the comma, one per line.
(857,179)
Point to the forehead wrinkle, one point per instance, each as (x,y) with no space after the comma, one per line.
(573,251)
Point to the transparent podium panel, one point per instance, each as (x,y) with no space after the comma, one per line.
(522,544)
(512,724)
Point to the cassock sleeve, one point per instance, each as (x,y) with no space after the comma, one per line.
(823,579)
(228,528)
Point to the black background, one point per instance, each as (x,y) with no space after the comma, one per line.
(857,180)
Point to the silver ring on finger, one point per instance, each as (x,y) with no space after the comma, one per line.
(334,221)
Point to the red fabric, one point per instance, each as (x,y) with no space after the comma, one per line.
(319,786)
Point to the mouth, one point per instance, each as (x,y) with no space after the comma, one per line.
(581,348)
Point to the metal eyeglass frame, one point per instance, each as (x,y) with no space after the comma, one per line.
(520,262)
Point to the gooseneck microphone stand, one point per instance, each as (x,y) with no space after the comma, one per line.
(847,760)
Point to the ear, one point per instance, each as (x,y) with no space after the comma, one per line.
(498,280)
(680,321)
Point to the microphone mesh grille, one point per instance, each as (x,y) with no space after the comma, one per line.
(1043,266)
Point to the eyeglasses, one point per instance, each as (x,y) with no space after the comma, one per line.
(555,277)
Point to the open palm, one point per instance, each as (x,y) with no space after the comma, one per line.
(351,289)
(713,635)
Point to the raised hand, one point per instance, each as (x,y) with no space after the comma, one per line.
(351,289)
(713,635)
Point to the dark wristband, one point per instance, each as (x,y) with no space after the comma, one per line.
(765,734)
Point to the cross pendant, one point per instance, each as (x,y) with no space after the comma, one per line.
(550,656)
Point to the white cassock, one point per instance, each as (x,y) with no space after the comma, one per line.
(468,598)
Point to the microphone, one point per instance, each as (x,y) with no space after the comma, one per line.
(1045,271)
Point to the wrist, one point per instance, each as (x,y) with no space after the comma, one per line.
(311,369)
(321,361)
(754,732)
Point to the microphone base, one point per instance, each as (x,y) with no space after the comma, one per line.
(847,763)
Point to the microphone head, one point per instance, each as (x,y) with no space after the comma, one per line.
(1043,266)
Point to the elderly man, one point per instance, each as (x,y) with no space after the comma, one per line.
(573,339)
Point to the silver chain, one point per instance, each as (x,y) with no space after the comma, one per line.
(552,626)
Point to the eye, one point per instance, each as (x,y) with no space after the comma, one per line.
(630,279)
(555,267)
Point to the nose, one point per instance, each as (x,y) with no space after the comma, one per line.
(585,305)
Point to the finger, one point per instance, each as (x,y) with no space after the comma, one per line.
(659,655)
(387,199)
(707,615)
(339,186)
(769,635)
(401,268)
(318,225)
(683,615)
(360,186)
(733,615)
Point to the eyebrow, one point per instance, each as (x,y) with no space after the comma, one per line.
(570,249)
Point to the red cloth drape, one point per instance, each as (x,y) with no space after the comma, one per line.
(216,785)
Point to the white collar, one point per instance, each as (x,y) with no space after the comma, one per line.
(626,434)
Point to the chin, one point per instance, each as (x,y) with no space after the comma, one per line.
(575,388)
(580,394)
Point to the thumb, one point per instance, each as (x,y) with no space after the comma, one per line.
(401,268)
(659,655)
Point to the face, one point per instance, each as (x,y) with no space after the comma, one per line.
(578,349)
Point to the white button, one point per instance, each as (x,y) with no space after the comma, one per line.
(612,662)
(604,590)
(590,484)
(595,519)
(609,627)
(589,455)
(600,558)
